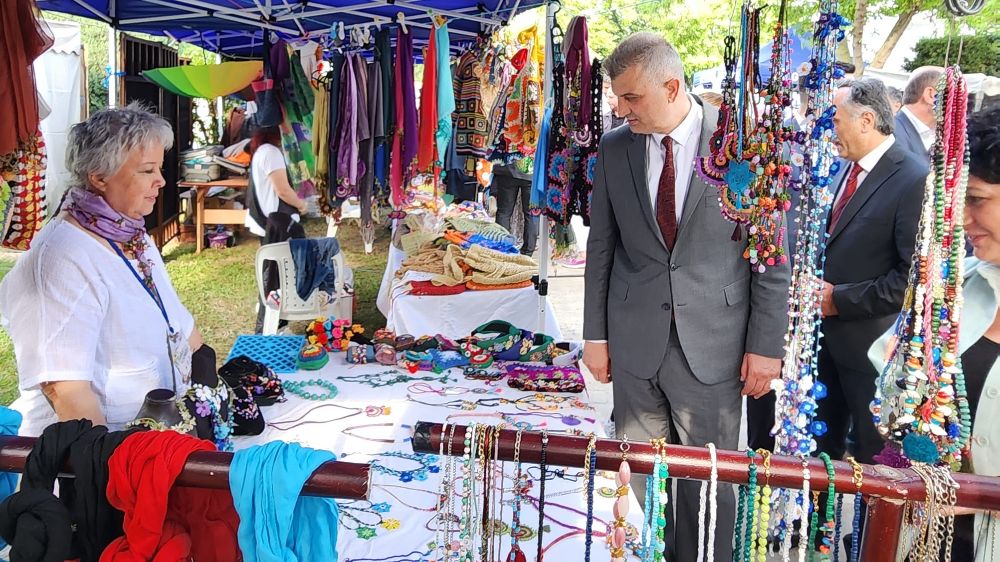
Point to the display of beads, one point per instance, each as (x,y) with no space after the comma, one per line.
(859,479)
(828,531)
(590,467)
(520,485)
(764,510)
(920,400)
(298,388)
(708,498)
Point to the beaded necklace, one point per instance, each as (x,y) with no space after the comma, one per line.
(745,513)
(590,467)
(920,400)
(284,425)
(859,478)
(803,504)
(764,512)
(428,465)
(541,493)
(617,540)
(391,377)
(813,524)
(708,497)
(298,388)
(349,432)
(828,533)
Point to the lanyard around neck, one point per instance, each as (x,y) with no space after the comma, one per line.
(149,287)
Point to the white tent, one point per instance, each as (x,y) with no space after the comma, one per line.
(59,77)
(980,85)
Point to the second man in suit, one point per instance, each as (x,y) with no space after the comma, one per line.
(872,230)
(915,121)
(672,312)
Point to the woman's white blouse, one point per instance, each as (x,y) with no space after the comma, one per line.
(75,312)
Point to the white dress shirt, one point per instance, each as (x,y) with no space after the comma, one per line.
(686,137)
(927,135)
(867,163)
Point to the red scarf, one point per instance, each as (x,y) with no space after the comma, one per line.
(427,147)
(163,523)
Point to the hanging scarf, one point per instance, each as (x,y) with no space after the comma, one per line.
(470,126)
(539,177)
(296,127)
(578,104)
(445,92)
(383,141)
(37,526)
(328,197)
(428,109)
(348,163)
(404,142)
(10,422)
(163,523)
(23,38)
(97,523)
(276,521)
(93,213)
(24,172)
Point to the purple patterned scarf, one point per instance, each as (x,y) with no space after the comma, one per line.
(94,214)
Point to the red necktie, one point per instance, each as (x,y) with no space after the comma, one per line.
(849,189)
(666,209)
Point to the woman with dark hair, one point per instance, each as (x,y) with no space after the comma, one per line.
(269,190)
(979,336)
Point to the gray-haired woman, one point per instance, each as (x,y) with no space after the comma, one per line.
(94,318)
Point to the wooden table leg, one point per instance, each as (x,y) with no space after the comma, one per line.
(199,230)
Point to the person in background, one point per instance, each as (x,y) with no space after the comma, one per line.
(673,315)
(91,310)
(269,190)
(872,229)
(915,122)
(509,180)
(895,99)
(610,106)
(979,334)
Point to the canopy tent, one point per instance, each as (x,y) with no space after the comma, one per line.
(235,27)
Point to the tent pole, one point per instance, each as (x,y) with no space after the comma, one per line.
(112,67)
(220,118)
(543,221)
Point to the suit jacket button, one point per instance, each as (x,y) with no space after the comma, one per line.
(674,267)
(992,392)
(666,306)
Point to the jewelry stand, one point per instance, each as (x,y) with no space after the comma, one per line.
(885,489)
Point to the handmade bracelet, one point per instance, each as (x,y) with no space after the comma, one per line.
(538,349)
(297,388)
(859,478)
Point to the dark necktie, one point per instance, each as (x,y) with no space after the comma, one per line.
(666,210)
(849,189)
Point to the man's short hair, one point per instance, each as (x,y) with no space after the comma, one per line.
(869,94)
(921,79)
(648,50)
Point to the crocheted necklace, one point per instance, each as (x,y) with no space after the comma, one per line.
(797,391)
(920,400)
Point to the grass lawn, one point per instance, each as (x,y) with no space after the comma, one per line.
(220,290)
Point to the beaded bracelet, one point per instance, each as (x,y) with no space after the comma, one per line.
(297,388)
(859,477)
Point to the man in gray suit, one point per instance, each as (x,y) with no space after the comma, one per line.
(915,121)
(672,311)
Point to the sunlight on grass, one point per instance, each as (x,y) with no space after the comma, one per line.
(220,290)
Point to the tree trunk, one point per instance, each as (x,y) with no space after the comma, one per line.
(857,34)
(902,22)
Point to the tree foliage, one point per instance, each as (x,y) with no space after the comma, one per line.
(980,53)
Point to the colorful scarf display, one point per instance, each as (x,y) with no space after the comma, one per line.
(445,92)
(23,38)
(404,139)
(298,100)
(427,136)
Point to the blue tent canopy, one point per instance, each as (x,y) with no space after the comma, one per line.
(800,51)
(236,27)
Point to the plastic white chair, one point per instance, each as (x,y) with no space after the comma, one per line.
(291,307)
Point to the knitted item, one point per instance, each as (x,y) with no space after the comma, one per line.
(413,242)
(473,286)
(491,267)
(24,172)
(428,260)
(486,228)
(429,289)
(312,357)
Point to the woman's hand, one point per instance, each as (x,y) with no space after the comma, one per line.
(73,400)
(195,341)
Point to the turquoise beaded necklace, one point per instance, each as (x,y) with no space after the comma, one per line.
(298,388)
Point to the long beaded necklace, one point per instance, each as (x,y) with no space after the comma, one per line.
(745,513)
(661,503)
(391,377)
(859,480)
(803,504)
(590,467)
(813,524)
(826,548)
(620,510)
(648,534)
(708,497)
(541,493)
(920,400)
(765,508)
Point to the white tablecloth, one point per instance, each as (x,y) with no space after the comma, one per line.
(388,494)
(456,316)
